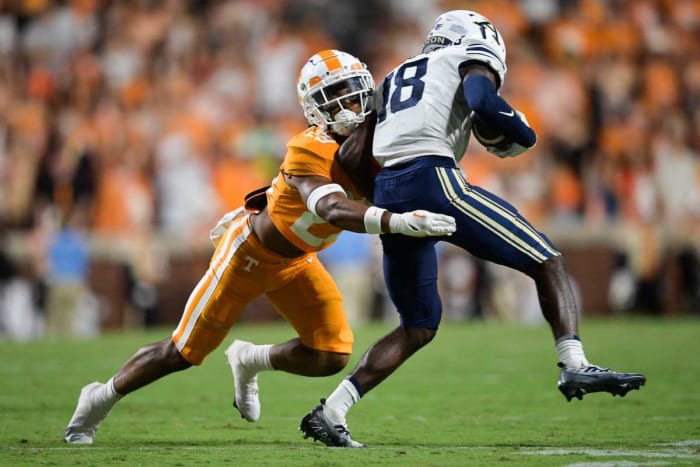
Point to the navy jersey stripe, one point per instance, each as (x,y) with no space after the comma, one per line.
(483,50)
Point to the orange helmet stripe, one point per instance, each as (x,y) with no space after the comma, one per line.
(330,59)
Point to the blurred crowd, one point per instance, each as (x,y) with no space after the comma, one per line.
(129,125)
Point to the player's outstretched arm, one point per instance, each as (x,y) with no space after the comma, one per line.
(329,201)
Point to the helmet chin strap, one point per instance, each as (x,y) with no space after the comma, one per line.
(345,122)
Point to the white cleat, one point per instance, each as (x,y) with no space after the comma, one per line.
(245,382)
(87,416)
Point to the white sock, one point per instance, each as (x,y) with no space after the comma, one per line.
(110,386)
(257,357)
(106,395)
(340,401)
(570,352)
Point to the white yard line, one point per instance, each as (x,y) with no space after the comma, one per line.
(685,452)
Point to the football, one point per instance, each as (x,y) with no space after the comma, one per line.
(489,137)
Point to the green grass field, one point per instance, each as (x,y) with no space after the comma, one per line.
(480,394)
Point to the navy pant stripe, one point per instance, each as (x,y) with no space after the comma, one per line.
(486,199)
(482,213)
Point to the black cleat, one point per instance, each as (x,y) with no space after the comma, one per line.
(579,382)
(318,426)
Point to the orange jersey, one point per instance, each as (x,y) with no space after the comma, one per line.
(309,153)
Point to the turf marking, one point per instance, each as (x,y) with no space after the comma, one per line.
(678,450)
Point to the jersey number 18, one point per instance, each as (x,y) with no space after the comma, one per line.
(400,81)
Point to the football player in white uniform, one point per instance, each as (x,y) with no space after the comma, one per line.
(427,108)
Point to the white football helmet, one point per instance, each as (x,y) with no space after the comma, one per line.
(451,26)
(331,80)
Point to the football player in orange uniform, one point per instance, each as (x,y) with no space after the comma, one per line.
(270,248)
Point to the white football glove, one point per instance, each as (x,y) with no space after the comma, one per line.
(421,224)
(513,149)
(219,229)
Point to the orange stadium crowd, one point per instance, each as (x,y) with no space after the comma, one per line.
(137,124)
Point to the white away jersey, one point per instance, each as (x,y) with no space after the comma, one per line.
(421,109)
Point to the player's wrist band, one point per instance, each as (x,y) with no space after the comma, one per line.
(373,220)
